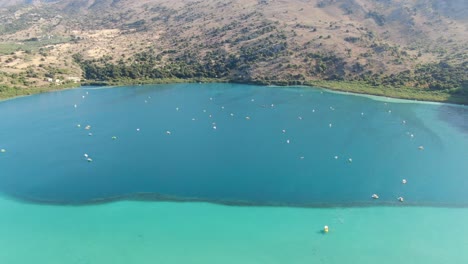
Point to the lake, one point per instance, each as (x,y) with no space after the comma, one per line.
(82,169)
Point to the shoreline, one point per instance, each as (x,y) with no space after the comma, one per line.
(355,89)
(404,94)
(37,90)
(391,99)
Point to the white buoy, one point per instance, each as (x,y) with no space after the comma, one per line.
(330,125)
(247,117)
(146,102)
(222,107)
(88,127)
(287,141)
(253,100)
(404,122)
(302,157)
(83,96)
(193,119)
(232,114)
(401,199)
(177,109)
(138,130)
(90,134)
(299,117)
(78,125)
(375,196)
(313,110)
(87,93)
(412,135)
(389,111)
(404,181)
(210,116)
(211,98)
(204,111)
(214,127)
(86,155)
(284,130)
(168,132)
(336,157)
(350,160)
(75,106)
(362,114)
(272,105)
(114,137)
(421,147)
(2,150)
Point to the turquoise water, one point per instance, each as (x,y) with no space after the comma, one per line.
(224,143)
(173,233)
(241,162)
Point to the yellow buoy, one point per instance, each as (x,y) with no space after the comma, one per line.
(325,229)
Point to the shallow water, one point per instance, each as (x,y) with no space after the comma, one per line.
(148,232)
(242,161)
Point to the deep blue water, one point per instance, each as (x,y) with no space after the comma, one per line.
(241,161)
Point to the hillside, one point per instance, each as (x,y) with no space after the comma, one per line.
(419,46)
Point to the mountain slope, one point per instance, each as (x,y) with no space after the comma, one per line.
(398,43)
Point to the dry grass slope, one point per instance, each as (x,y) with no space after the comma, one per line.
(384,43)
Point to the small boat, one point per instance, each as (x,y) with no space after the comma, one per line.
(375,196)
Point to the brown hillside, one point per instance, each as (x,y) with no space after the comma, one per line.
(247,39)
